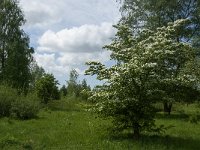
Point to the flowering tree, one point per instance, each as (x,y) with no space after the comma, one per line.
(147,65)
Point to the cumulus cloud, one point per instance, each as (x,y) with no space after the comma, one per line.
(71,48)
(49,62)
(50,13)
(86,38)
(61,65)
(67,33)
(38,13)
(74,59)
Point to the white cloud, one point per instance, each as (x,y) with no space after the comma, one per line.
(60,51)
(67,33)
(49,13)
(61,65)
(86,38)
(74,59)
(40,13)
(49,62)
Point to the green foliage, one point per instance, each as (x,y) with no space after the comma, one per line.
(15,53)
(76,89)
(63,91)
(25,107)
(73,87)
(85,90)
(37,73)
(193,118)
(12,104)
(147,67)
(7,97)
(85,94)
(151,14)
(47,88)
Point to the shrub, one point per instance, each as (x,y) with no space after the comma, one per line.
(47,88)
(194,118)
(12,104)
(7,96)
(25,107)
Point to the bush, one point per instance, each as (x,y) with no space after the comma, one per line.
(194,118)
(12,104)
(25,107)
(47,88)
(7,96)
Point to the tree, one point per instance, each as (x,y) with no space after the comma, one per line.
(73,87)
(47,89)
(63,90)
(37,73)
(15,53)
(146,64)
(151,14)
(157,13)
(85,90)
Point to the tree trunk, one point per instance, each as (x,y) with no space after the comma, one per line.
(136,134)
(167,107)
(2,60)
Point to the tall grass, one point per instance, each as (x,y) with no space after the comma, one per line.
(66,124)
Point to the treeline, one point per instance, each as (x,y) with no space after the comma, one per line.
(75,88)
(47,88)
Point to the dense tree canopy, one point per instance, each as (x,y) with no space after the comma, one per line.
(15,53)
(157,13)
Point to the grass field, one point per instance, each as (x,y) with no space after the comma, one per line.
(68,125)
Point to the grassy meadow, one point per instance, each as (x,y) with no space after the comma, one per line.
(67,124)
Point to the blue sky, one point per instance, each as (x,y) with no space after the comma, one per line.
(67,33)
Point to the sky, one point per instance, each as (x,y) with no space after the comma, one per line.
(67,33)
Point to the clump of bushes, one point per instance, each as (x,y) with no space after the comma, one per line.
(194,118)
(14,105)
(25,108)
(7,97)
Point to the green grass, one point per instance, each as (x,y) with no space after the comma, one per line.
(68,125)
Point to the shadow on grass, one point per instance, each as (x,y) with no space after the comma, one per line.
(181,116)
(160,142)
(172,116)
